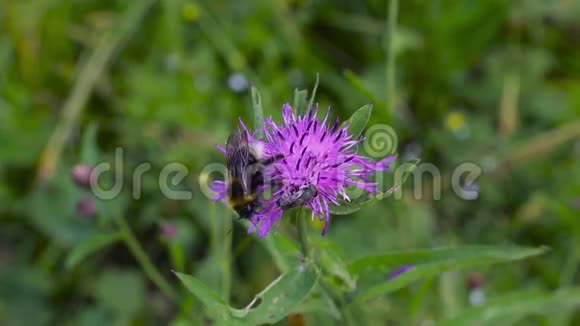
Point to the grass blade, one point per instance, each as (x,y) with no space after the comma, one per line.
(91,245)
(88,76)
(314,89)
(514,307)
(258,112)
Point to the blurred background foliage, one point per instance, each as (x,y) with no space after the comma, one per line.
(494,82)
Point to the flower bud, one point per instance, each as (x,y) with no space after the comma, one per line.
(86,207)
(169,230)
(475,280)
(81,174)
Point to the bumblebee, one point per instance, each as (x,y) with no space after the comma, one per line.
(245,162)
(299,197)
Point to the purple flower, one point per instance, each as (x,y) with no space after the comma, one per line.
(400,271)
(86,207)
(169,230)
(319,158)
(81,174)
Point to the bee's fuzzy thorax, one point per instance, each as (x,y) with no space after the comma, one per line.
(257,148)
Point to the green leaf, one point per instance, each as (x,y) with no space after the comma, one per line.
(402,173)
(331,260)
(215,305)
(514,307)
(359,85)
(348,208)
(89,149)
(319,302)
(314,89)
(258,112)
(428,263)
(284,252)
(89,246)
(281,296)
(300,103)
(358,120)
(122,292)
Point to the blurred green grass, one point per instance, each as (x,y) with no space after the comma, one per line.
(491,82)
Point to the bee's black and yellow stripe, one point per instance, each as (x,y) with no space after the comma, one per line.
(241,201)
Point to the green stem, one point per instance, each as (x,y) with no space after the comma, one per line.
(227,259)
(338,299)
(570,266)
(148,267)
(340,302)
(393,8)
(303,233)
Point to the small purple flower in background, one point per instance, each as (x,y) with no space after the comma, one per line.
(86,207)
(318,162)
(475,282)
(81,174)
(169,230)
(400,271)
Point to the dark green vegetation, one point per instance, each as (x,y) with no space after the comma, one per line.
(493,83)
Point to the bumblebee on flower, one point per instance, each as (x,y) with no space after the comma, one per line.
(311,163)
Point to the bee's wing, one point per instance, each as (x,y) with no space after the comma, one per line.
(237,159)
(237,153)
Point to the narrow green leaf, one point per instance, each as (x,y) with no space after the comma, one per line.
(345,209)
(280,297)
(215,305)
(428,263)
(300,103)
(89,246)
(402,173)
(314,89)
(258,112)
(515,307)
(88,76)
(358,120)
(358,84)
(89,149)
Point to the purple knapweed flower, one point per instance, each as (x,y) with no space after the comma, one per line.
(318,158)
